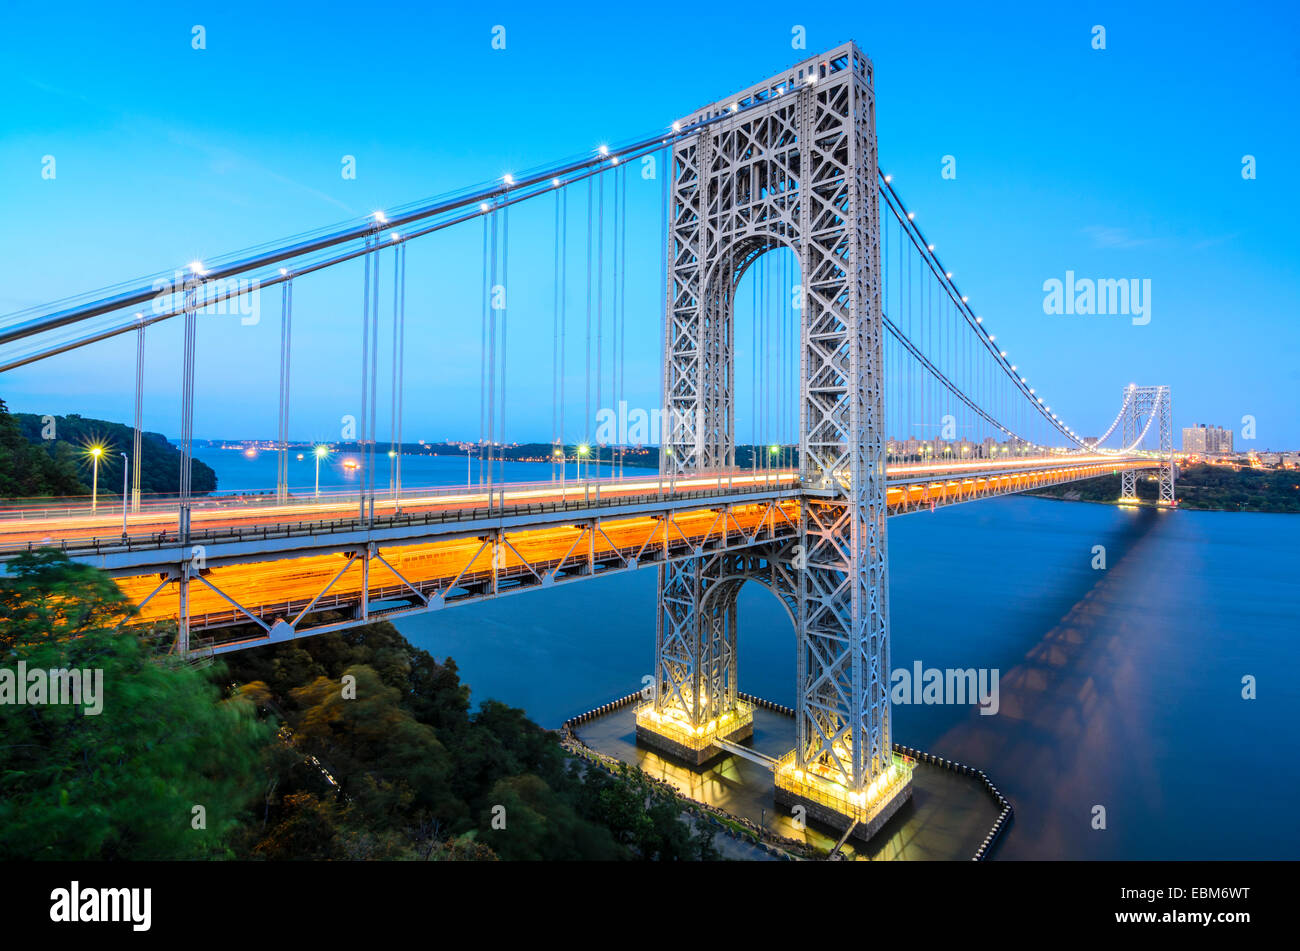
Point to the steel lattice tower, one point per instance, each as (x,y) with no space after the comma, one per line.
(797,167)
(1144,407)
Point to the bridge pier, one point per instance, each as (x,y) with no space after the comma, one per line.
(695,694)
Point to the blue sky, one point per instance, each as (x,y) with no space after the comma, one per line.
(1118,163)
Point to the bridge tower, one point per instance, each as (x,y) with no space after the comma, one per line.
(795,167)
(1144,407)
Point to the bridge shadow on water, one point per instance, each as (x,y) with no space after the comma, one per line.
(1067,717)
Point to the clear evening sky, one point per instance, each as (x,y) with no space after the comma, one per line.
(1117,163)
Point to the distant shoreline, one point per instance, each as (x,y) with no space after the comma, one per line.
(1148,505)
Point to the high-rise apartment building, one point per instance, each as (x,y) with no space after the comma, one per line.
(1207,440)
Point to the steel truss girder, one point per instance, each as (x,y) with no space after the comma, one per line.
(501,562)
(797,169)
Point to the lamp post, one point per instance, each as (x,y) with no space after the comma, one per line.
(321,453)
(95,453)
(581,454)
(126,464)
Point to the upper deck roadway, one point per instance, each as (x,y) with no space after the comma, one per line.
(276,564)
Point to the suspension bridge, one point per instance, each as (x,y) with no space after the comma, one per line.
(875,389)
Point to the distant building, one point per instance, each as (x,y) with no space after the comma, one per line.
(1207,440)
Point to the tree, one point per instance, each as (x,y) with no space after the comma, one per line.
(125,783)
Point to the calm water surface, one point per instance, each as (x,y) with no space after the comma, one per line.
(1119,687)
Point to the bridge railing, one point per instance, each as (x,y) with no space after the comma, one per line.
(109,511)
(516,500)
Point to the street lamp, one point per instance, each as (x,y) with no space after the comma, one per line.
(95,453)
(582,451)
(321,453)
(557,454)
(126,464)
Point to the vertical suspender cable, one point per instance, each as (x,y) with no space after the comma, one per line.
(586,387)
(365,368)
(373,431)
(392,410)
(622,333)
(613,322)
(139,414)
(492,357)
(600,303)
(505,307)
(564,289)
(483,355)
(555,335)
(665,170)
(286,344)
(401,372)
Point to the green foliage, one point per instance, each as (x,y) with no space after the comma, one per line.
(122,784)
(419,775)
(31,469)
(644,817)
(60,466)
(339,747)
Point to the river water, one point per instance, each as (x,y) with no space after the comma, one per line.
(1119,687)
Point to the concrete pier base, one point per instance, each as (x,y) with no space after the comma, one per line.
(675,739)
(829,816)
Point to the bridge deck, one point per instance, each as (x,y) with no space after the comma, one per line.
(280,566)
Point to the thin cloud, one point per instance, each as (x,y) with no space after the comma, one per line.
(1108,237)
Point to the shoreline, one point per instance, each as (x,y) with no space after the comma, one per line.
(1149,505)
